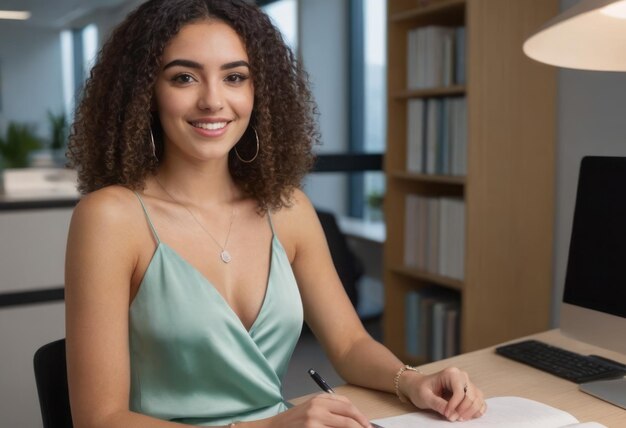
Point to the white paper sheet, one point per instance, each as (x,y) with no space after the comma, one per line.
(510,412)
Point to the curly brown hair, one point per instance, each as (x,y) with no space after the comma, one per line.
(110,141)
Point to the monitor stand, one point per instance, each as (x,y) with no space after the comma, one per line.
(612,391)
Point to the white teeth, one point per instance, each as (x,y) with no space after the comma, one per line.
(210,126)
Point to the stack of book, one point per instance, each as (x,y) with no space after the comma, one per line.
(434,238)
(437,136)
(432,323)
(435,57)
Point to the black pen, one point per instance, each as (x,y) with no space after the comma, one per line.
(326,388)
(320,381)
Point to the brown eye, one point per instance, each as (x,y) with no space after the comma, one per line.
(236,78)
(183,78)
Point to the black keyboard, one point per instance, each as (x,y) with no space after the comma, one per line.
(560,362)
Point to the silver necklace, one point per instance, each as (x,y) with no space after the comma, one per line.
(224,254)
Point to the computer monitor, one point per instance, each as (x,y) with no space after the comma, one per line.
(594,298)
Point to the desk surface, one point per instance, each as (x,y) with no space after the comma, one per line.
(499,376)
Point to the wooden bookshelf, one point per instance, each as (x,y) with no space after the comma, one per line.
(509,186)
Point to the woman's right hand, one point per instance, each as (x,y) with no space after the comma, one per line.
(323,410)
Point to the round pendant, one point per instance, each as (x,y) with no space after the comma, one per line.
(225,255)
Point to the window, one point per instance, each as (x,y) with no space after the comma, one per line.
(79,48)
(284,14)
(363,23)
(368,124)
(375,69)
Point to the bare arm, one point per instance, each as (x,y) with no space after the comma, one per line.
(357,357)
(327,309)
(100,261)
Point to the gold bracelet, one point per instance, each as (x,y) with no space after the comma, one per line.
(396,381)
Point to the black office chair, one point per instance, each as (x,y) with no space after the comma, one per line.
(349,267)
(51,379)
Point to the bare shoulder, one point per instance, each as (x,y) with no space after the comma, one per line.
(111,214)
(107,207)
(296,223)
(297,213)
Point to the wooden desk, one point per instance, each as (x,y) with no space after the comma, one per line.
(499,376)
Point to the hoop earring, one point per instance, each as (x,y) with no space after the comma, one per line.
(152,145)
(256,135)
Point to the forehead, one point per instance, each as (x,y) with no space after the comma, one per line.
(206,41)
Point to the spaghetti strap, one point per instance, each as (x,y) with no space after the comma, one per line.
(143,206)
(269,218)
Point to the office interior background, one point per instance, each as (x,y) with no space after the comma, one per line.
(43,63)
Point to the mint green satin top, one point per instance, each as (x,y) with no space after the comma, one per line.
(192,360)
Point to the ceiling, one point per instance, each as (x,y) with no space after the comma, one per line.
(61,13)
(57,13)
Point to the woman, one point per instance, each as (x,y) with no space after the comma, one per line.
(194,257)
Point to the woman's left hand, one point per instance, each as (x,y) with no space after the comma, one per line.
(448,392)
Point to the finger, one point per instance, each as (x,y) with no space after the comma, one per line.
(436,403)
(344,421)
(471,404)
(341,407)
(460,387)
(468,407)
(468,398)
(351,413)
(480,412)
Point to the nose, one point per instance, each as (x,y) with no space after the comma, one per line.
(210,98)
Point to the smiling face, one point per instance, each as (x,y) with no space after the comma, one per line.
(204,92)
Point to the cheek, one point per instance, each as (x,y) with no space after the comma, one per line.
(244,103)
(170,106)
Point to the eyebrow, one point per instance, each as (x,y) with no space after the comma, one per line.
(193,64)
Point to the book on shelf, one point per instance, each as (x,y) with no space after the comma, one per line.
(434,124)
(431,323)
(444,137)
(451,345)
(459,55)
(452,238)
(457,138)
(435,56)
(511,412)
(437,136)
(415,231)
(432,235)
(411,322)
(434,239)
(415,134)
(415,340)
(442,332)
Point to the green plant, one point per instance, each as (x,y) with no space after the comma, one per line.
(15,147)
(375,200)
(58,130)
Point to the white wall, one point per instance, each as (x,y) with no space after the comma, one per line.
(23,329)
(31,81)
(32,249)
(107,19)
(323,42)
(30,75)
(591,121)
(32,255)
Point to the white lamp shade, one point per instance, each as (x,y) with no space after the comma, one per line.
(591,35)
